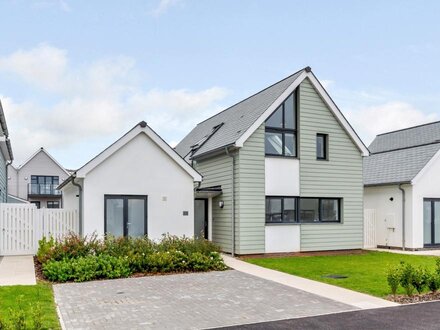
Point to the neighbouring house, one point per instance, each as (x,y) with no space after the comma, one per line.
(282,172)
(402,187)
(137,186)
(6,156)
(36,181)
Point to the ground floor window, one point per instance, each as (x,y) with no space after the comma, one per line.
(125,215)
(305,209)
(36,203)
(53,204)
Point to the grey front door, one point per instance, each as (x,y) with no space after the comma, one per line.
(125,215)
(431,221)
(201,218)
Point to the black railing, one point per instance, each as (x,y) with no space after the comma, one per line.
(43,189)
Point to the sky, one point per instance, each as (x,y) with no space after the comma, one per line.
(76,75)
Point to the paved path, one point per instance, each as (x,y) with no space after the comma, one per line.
(336,293)
(409,317)
(17,270)
(185,301)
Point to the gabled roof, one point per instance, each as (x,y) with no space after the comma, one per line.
(48,155)
(5,142)
(141,128)
(234,125)
(399,156)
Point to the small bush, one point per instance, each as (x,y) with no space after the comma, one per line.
(393,278)
(407,278)
(419,279)
(433,281)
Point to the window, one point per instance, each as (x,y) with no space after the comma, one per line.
(280,209)
(53,204)
(319,210)
(280,139)
(36,203)
(321,146)
(43,185)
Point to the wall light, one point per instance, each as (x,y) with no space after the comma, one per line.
(221,204)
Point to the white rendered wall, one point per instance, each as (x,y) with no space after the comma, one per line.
(142,168)
(427,185)
(281,176)
(389,214)
(282,238)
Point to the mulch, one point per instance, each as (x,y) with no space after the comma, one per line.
(416,298)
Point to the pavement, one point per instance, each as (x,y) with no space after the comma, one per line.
(17,270)
(408,317)
(345,296)
(185,301)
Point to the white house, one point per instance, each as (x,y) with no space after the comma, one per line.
(402,187)
(138,185)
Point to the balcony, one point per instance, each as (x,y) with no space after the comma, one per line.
(43,190)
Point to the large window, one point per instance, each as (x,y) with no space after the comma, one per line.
(44,185)
(303,210)
(280,137)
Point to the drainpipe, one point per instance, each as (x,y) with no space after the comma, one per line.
(232,203)
(80,204)
(403,216)
(9,162)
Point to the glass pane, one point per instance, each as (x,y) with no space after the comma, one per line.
(199,218)
(436,222)
(55,180)
(309,210)
(289,112)
(273,210)
(136,217)
(34,179)
(274,143)
(115,216)
(427,222)
(276,119)
(320,146)
(329,210)
(289,144)
(289,213)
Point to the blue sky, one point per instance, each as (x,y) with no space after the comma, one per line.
(75,75)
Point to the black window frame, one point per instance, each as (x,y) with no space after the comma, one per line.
(283,131)
(325,137)
(52,203)
(298,210)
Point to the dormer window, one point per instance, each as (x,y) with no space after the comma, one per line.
(280,139)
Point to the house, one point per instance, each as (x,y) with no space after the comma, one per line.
(402,187)
(282,172)
(6,156)
(137,186)
(36,180)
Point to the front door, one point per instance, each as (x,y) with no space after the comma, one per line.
(201,218)
(431,221)
(125,215)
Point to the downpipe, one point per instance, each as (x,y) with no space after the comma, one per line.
(403,216)
(80,202)
(232,202)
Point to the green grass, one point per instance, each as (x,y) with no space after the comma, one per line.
(30,296)
(366,272)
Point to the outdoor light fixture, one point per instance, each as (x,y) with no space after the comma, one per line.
(221,204)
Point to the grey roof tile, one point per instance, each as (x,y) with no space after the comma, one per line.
(234,120)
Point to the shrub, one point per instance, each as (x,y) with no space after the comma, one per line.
(433,281)
(419,279)
(393,278)
(407,278)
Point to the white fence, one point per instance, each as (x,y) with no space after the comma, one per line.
(23,225)
(370,229)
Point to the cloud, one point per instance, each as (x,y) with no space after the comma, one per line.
(163,6)
(389,116)
(95,102)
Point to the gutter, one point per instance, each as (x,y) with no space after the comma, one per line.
(403,215)
(232,202)
(80,215)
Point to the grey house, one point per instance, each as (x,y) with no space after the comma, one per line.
(6,156)
(282,172)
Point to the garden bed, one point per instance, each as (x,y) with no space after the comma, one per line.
(416,298)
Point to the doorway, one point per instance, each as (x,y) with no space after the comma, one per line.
(201,218)
(431,222)
(125,215)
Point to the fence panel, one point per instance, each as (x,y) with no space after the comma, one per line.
(370,229)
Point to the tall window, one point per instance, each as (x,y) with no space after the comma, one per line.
(280,137)
(321,146)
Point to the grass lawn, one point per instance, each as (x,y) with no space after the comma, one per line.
(30,296)
(366,272)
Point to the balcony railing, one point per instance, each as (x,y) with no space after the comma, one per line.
(43,189)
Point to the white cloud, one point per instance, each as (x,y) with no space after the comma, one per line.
(375,119)
(327,84)
(100,100)
(163,6)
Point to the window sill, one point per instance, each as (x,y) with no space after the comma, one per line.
(282,223)
(280,156)
(303,223)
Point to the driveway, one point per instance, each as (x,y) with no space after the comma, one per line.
(185,301)
(409,317)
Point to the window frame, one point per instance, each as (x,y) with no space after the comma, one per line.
(52,204)
(297,210)
(283,130)
(325,137)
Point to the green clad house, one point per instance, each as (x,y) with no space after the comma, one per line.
(282,172)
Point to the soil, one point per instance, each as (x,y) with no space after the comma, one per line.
(416,298)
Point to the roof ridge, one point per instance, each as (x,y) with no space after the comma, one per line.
(408,128)
(247,98)
(404,148)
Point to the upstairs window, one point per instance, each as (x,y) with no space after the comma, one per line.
(280,139)
(321,146)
